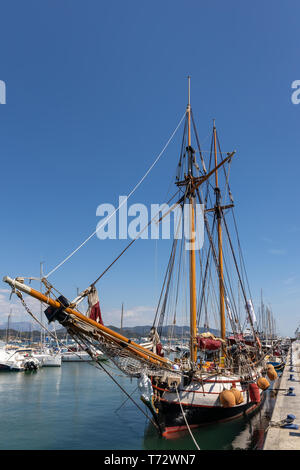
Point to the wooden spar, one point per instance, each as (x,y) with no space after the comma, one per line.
(201,179)
(193,298)
(213,209)
(136,348)
(189,111)
(216,156)
(220,242)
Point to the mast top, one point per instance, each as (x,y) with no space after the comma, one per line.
(189,91)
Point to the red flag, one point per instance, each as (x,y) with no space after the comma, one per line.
(94,311)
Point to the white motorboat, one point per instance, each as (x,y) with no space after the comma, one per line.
(77,355)
(48,358)
(6,362)
(18,360)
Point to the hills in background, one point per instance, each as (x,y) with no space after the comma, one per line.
(27,329)
(20,326)
(178,331)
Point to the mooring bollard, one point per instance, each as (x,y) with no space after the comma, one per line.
(289,422)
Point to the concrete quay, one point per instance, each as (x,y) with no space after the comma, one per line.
(287,403)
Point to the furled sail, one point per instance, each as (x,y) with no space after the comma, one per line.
(207,341)
(250,310)
(94,311)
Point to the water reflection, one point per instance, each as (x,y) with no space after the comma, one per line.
(252,435)
(78,407)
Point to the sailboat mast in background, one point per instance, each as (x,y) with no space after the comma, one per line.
(122,314)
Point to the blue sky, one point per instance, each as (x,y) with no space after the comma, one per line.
(94,90)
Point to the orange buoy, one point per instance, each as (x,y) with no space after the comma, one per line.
(238,395)
(271,373)
(227,398)
(263,383)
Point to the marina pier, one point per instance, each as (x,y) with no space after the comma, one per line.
(284,429)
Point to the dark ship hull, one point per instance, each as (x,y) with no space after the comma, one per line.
(176,411)
(170,418)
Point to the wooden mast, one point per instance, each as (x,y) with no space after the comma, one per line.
(192,254)
(220,244)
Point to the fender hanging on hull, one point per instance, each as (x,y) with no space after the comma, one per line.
(171,420)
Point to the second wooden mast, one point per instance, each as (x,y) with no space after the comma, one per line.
(218,210)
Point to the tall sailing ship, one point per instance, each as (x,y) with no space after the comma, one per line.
(222,376)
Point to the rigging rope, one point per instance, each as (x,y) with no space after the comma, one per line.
(94,362)
(187,424)
(19,295)
(131,243)
(122,203)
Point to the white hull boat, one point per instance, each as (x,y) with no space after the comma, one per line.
(48,359)
(18,360)
(80,356)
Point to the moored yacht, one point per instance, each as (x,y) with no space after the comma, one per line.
(48,358)
(18,360)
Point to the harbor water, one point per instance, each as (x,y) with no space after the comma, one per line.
(77,406)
